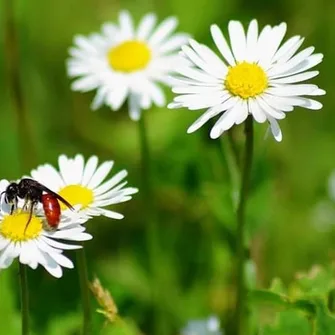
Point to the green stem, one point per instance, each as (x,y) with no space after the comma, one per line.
(240,310)
(24,299)
(151,224)
(228,146)
(85,291)
(26,143)
(26,148)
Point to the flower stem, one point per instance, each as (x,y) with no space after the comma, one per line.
(84,291)
(151,225)
(229,148)
(24,299)
(24,131)
(240,310)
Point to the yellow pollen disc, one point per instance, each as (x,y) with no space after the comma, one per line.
(76,195)
(246,80)
(129,56)
(14,227)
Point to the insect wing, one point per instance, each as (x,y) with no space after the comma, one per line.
(47,190)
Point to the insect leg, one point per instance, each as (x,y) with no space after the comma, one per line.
(13,206)
(31,209)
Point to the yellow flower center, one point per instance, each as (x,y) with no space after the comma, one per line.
(76,195)
(129,56)
(246,80)
(14,227)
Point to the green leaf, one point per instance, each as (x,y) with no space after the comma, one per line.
(269,298)
(324,322)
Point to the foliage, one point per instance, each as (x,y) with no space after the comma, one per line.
(191,179)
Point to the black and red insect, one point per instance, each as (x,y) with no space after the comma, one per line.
(33,193)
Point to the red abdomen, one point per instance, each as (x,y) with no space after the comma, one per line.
(51,210)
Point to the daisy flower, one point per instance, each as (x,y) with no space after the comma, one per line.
(123,62)
(84,184)
(34,244)
(256,75)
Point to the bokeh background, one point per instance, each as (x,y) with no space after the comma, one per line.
(286,222)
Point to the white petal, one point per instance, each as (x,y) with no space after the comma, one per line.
(199,101)
(6,255)
(263,41)
(292,90)
(198,75)
(134,107)
(189,89)
(146,25)
(309,104)
(305,65)
(281,103)
(108,185)
(100,174)
(67,233)
(174,105)
(126,25)
(222,44)
(65,167)
(163,30)
(84,43)
(292,63)
(209,56)
(111,214)
(237,40)
(156,94)
(99,98)
(275,129)
(272,112)
(116,196)
(210,113)
(277,36)
(77,169)
(288,49)
(27,252)
(296,78)
(199,62)
(85,84)
(208,61)
(89,169)
(242,114)
(116,98)
(59,245)
(51,265)
(251,54)
(3,243)
(226,121)
(256,111)
(109,29)
(174,43)
(62,260)
(318,91)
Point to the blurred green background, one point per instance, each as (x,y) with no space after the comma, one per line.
(191,180)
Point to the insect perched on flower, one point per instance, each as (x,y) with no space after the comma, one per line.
(35,243)
(32,192)
(255,76)
(122,62)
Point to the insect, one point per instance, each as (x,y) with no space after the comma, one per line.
(33,192)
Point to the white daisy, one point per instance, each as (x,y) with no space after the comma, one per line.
(33,244)
(255,76)
(122,62)
(84,184)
